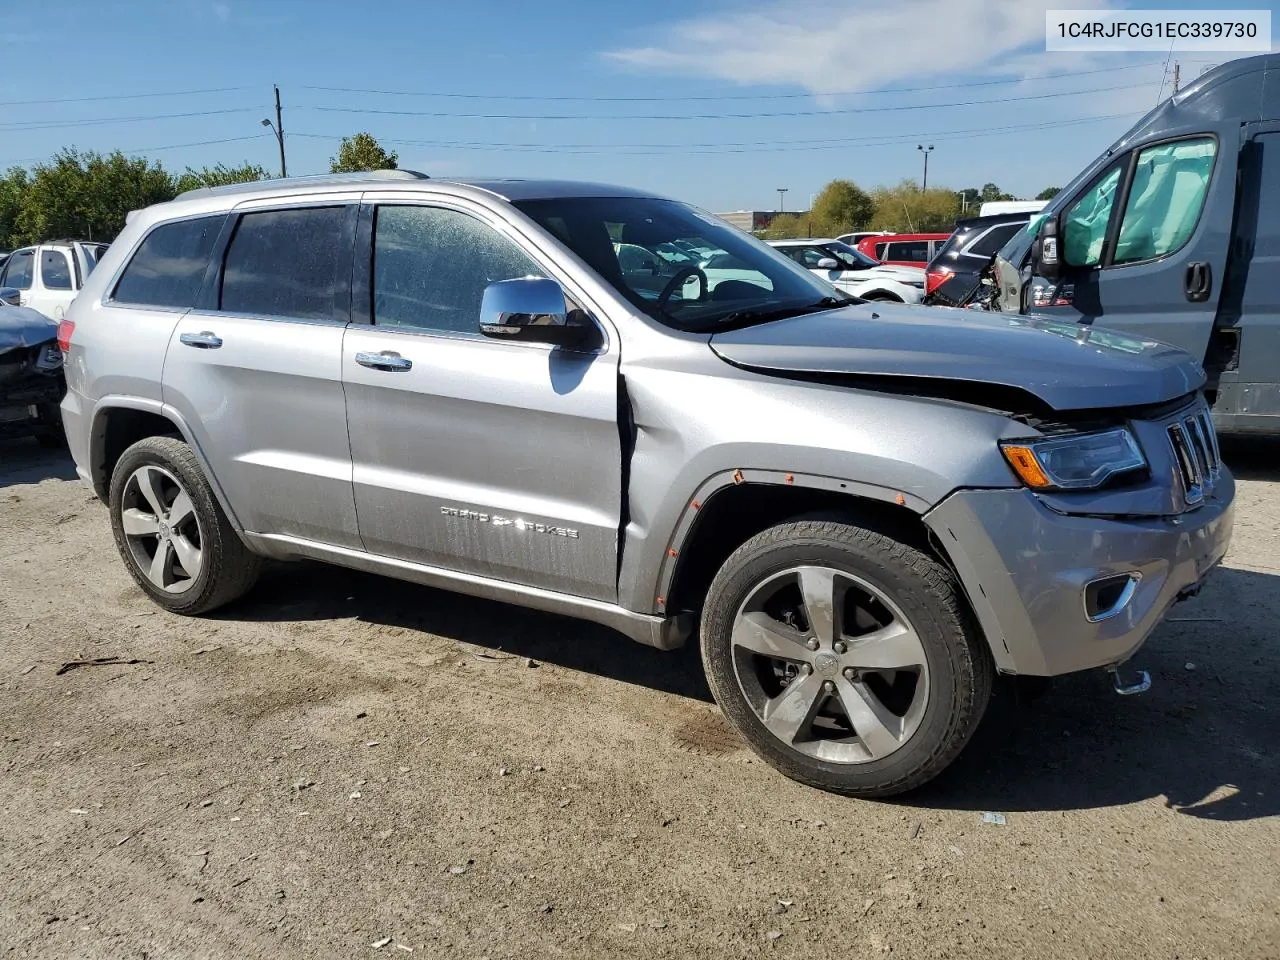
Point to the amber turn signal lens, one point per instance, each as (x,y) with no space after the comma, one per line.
(1026,466)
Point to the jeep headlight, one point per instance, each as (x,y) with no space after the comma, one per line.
(1081,461)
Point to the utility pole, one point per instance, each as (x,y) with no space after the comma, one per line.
(924,184)
(278,129)
(781,192)
(1177,73)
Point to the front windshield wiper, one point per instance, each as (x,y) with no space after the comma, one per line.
(782,313)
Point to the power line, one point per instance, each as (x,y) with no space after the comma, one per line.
(729,96)
(719,116)
(170,146)
(20,125)
(764,146)
(121,96)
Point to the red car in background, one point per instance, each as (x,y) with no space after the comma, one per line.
(904,249)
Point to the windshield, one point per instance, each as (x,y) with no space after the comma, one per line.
(685,268)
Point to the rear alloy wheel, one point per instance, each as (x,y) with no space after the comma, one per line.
(171,532)
(844,657)
(161,529)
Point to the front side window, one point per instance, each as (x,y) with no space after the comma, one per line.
(1167,193)
(431,266)
(55,271)
(740,280)
(809,256)
(18,271)
(284,263)
(169,265)
(1084,225)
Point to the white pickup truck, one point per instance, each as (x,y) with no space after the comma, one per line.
(48,276)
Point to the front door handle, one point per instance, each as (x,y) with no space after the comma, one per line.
(387,360)
(205,339)
(1199,281)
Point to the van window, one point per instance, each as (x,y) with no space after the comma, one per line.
(169,265)
(1170,182)
(431,265)
(55,271)
(284,263)
(18,271)
(1085,223)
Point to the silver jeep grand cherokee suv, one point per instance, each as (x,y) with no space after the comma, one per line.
(865,511)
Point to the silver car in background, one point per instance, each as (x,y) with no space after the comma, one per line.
(863,511)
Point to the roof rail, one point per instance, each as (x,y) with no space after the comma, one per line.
(319,179)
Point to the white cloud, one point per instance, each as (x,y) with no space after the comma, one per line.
(222,11)
(825,47)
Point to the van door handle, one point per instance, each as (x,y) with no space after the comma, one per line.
(1199,281)
(387,360)
(205,339)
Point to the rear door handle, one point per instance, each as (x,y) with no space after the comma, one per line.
(1199,281)
(387,360)
(205,339)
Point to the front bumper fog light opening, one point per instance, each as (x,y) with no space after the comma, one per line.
(1106,597)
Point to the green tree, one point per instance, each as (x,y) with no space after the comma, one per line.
(13,188)
(841,207)
(362,152)
(906,208)
(991,193)
(1048,193)
(87,196)
(218,176)
(786,226)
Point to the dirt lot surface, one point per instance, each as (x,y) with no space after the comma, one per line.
(341,759)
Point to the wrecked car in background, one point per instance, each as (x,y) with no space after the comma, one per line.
(31,379)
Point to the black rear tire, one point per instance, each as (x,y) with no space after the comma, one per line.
(227,569)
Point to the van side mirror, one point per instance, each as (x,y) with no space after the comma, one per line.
(531,310)
(828,263)
(1048,251)
(11,296)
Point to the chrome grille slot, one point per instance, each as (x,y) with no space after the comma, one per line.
(1195,448)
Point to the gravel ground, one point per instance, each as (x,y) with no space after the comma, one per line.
(344,766)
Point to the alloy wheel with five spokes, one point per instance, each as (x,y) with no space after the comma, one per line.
(161,529)
(830,665)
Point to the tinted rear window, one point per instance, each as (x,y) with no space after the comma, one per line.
(913,250)
(284,263)
(989,243)
(169,266)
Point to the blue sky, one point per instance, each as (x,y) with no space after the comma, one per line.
(822,69)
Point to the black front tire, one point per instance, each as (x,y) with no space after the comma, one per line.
(961,670)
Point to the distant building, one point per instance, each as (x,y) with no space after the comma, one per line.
(755,221)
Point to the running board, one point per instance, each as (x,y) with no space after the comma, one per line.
(664,633)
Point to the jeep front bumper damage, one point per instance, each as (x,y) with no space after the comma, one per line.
(1056,594)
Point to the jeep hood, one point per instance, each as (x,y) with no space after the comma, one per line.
(1066,366)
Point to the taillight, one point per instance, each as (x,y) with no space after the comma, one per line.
(936,277)
(65,329)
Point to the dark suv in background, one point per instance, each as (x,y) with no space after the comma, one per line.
(953,275)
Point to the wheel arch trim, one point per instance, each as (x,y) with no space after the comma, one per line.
(681,533)
(97,438)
